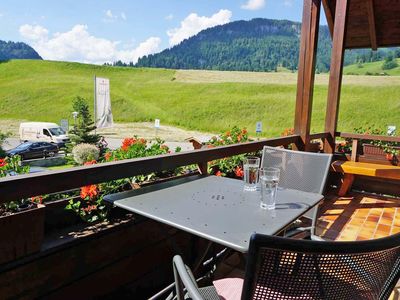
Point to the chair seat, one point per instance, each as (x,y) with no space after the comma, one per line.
(229,288)
(209,293)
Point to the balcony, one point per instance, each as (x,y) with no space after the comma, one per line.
(130,256)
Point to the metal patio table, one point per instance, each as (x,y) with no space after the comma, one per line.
(215,208)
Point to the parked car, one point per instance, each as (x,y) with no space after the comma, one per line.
(30,150)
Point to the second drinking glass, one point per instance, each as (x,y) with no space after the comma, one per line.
(269,179)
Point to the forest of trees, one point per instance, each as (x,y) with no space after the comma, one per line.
(256,45)
(19,50)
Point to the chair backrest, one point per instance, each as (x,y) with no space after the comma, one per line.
(304,171)
(281,268)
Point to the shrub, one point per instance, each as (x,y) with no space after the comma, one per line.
(389,63)
(85,152)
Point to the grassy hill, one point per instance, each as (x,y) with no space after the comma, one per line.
(44,91)
(371,68)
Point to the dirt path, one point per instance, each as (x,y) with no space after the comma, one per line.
(122,130)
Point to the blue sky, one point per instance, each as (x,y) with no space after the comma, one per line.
(98,31)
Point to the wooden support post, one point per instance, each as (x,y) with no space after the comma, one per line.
(335,74)
(306,74)
(203,168)
(354,149)
(346,184)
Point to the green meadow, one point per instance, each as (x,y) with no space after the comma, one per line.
(372,68)
(197,100)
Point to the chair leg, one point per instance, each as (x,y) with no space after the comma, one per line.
(347,182)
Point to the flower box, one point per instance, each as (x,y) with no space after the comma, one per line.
(21,233)
(373,150)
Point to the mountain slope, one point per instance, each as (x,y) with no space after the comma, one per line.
(18,50)
(255,45)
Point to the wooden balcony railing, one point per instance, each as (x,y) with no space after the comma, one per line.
(23,186)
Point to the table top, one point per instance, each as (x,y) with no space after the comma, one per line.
(216,208)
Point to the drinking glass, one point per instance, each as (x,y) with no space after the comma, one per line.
(251,167)
(269,179)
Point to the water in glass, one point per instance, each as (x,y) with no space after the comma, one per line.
(269,179)
(251,173)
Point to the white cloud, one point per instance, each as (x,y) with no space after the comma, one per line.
(35,32)
(149,46)
(109,14)
(169,17)
(79,45)
(193,24)
(111,17)
(253,4)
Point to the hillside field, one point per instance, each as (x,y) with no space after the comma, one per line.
(197,100)
(372,68)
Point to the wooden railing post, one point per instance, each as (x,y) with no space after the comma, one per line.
(354,149)
(203,168)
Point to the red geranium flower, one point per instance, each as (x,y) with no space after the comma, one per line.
(219,173)
(90,208)
(92,162)
(3,162)
(239,172)
(127,142)
(37,199)
(89,191)
(107,156)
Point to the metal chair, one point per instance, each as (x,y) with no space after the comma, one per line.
(304,171)
(282,268)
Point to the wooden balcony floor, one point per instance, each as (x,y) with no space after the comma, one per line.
(358,216)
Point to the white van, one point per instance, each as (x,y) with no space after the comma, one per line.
(42,131)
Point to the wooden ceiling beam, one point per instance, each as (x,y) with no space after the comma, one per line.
(329,16)
(372,25)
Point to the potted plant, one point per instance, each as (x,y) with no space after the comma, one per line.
(89,206)
(229,166)
(378,148)
(22,221)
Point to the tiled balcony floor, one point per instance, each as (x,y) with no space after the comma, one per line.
(358,216)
